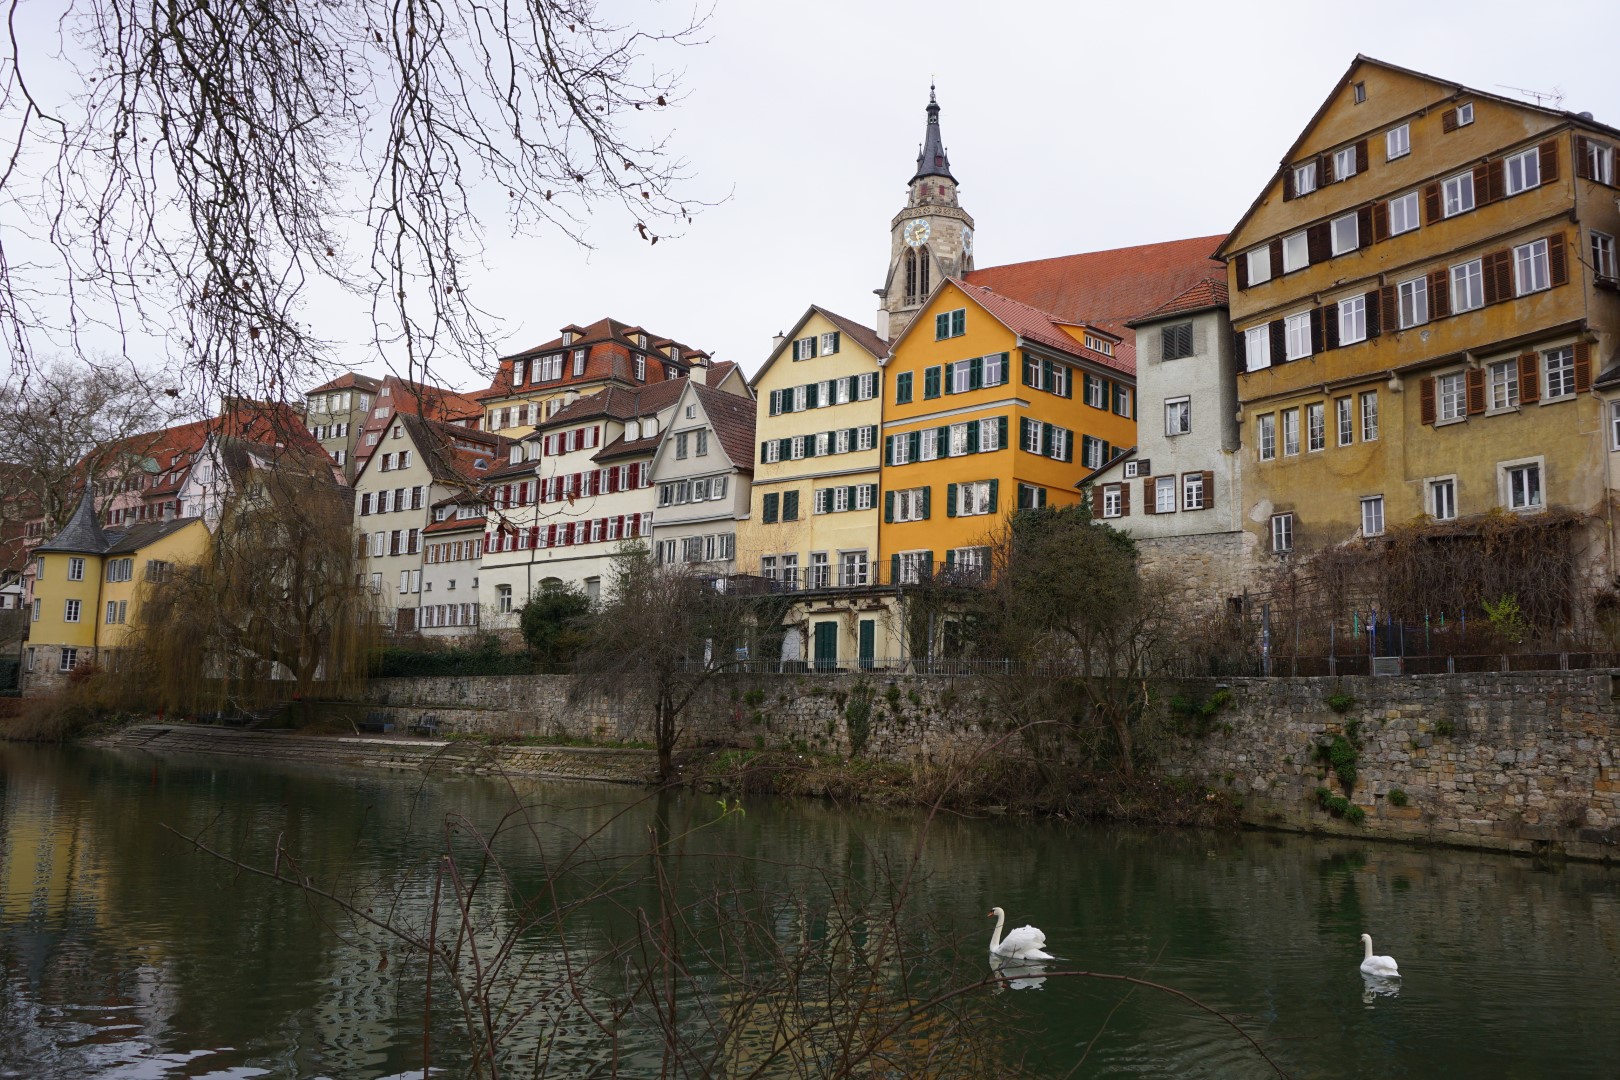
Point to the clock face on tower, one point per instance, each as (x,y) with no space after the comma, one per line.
(916,232)
(967,240)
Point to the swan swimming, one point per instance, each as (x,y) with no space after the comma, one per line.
(1024,943)
(1377,965)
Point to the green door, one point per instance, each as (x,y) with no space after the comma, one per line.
(868,643)
(826,655)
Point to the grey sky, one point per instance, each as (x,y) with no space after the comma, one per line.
(1071,126)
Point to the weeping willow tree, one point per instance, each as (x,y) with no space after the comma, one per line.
(276,606)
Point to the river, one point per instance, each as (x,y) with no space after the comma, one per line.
(130,953)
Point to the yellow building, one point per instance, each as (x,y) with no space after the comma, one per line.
(89,584)
(812,525)
(1418,297)
(990,406)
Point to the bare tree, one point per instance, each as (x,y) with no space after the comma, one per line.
(279,595)
(225,162)
(71,420)
(661,635)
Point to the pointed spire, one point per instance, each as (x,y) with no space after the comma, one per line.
(82,534)
(931,161)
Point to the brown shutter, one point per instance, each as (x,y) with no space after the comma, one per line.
(1482,184)
(1364,226)
(1361,156)
(1431,203)
(1529,379)
(1316,330)
(1279,343)
(1497,270)
(1426,399)
(1276,258)
(1557,261)
(1319,243)
(1380,221)
(1497,183)
(1374,323)
(1583,367)
(1209,491)
(1330,326)
(1549,161)
(1439,294)
(1476,391)
(1583,165)
(1288,182)
(1149,506)
(1386,308)
(1124,500)
(1096,501)
(1324,170)
(1448,121)
(1240,350)
(1241,269)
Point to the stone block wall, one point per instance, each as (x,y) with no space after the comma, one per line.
(1203,570)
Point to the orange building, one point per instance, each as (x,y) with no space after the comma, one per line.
(991,406)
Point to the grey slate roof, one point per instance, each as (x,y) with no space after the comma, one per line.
(138,536)
(931,160)
(82,534)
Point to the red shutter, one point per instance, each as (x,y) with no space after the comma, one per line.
(1482,184)
(1448,121)
(1364,226)
(1529,379)
(1361,156)
(534,536)
(1549,161)
(1498,185)
(1557,261)
(1324,170)
(1380,221)
(1439,294)
(1386,308)
(1149,505)
(1426,400)
(1583,165)
(1431,203)
(1583,367)
(1374,322)
(1475,383)
(1240,350)
(1497,269)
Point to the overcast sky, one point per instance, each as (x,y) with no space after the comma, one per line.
(1071,127)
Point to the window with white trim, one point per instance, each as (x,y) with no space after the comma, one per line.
(1372,515)
(1257,347)
(1178,416)
(69,659)
(1465,114)
(1457,194)
(1297,335)
(1164,495)
(1603,258)
(1614,430)
(1316,426)
(1296,252)
(1193,495)
(1344,163)
(1260,262)
(1450,396)
(911,504)
(1353,320)
(829,343)
(1504,384)
(70,610)
(1346,235)
(973,498)
(1530,272)
(914,567)
(1266,436)
(1290,432)
(1304,183)
(1558,366)
(1441,498)
(1521,485)
(853,568)
(1369,415)
(75,569)
(1467,290)
(1282,533)
(1113,500)
(1403,213)
(1412,302)
(1523,171)
(1397,142)
(1346,420)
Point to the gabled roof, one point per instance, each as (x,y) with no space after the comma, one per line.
(619,403)
(732,418)
(1207,294)
(444,452)
(1106,288)
(610,344)
(716,373)
(864,336)
(349,380)
(136,537)
(1096,474)
(1032,324)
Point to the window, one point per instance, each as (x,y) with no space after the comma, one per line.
(804,348)
(974,498)
(1413,302)
(1603,261)
(1193,495)
(928,445)
(1304,184)
(1530,267)
(995,369)
(1523,484)
(949,324)
(801,398)
(1344,162)
(1342,410)
(1290,432)
(1096,392)
(120,569)
(959,440)
(852,568)
(579,362)
(1559,365)
(703,442)
(1458,194)
(1450,397)
(1257,347)
(503,599)
(1122,400)
(1599,161)
(1397,142)
(1465,114)
(820,576)
(772,450)
(961,376)
(829,343)
(69,660)
(914,567)
(1176,341)
(1372,516)
(1504,383)
(1164,495)
(1353,320)
(1282,533)
(70,610)
(1297,335)
(1443,499)
(1031,497)
(75,569)
(1260,258)
(1369,415)
(1403,213)
(911,504)
(1296,253)
(1523,171)
(1346,237)
(1359,92)
(1467,287)
(1614,444)
(1266,436)
(1316,426)
(1178,416)
(1113,500)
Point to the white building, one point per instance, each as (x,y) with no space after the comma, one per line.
(702,472)
(452,547)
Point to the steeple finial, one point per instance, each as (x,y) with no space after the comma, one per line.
(931,160)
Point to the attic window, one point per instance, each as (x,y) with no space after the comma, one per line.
(516,455)
(1097,344)
(568,337)
(1360,91)
(649,427)
(480,464)
(1465,114)
(674,352)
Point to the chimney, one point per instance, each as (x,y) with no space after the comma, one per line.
(776,342)
(881,323)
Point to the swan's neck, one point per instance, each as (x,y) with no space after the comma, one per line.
(1367,943)
(995,938)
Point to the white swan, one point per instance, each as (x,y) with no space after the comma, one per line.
(1024,943)
(1377,965)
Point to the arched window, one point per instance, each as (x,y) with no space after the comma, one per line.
(917,285)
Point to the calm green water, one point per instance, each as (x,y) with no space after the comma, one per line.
(129,954)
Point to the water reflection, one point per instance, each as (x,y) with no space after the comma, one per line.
(1377,986)
(1017,974)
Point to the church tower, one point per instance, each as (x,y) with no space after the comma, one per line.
(929,240)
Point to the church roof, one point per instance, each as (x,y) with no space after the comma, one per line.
(931,159)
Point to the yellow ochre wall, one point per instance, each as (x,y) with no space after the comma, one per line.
(184,546)
(53,589)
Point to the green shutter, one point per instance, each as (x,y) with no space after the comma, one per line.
(785,448)
(942,444)
(942,325)
(1068,383)
(810,395)
(762,447)
(950,500)
(835,343)
(1040,497)
(1046,375)
(894,569)
(1046,440)
(950,559)
(790,506)
(927,499)
(902,388)
(976,373)
(768,509)
(1001,424)
(916,444)
(1107,454)
(973,436)
(1006,368)
(888,507)
(995,486)
(950,383)
(931,383)
(958,322)
(888,449)
(928,565)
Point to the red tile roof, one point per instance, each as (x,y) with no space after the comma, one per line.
(1035,325)
(1209,293)
(455,524)
(619,403)
(348,380)
(732,418)
(611,344)
(864,336)
(717,372)
(1106,288)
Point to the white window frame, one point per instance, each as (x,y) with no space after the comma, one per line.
(1405,215)
(1346,233)
(1265,438)
(1465,114)
(1450,397)
(1532,271)
(1369,415)
(1177,416)
(1564,356)
(1457,194)
(1412,302)
(71,610)
(1259,264)
(1297,335)
(1315,426)
(908,504)
(1257,347)
(1398,142)
(1344,163)
(1113,500)
(1614,433)
(1282,534)
(1344,412)
(1522,171)
(1193,495)
(75,569)
(1304,180)
(1290,432)
(1296,252)
(1164,494)
(1372,515)
(1603,254)
(1467,291)
(973,498)
(1533,472)
(1502,385)
(1438,508)
(1353,319)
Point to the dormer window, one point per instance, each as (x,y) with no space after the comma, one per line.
(649,427)
(641,341)
(632,431)
(1097,344)
(579,361)
(480,464)
(641,368)
(675,352)
(568,337)
(516,455)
